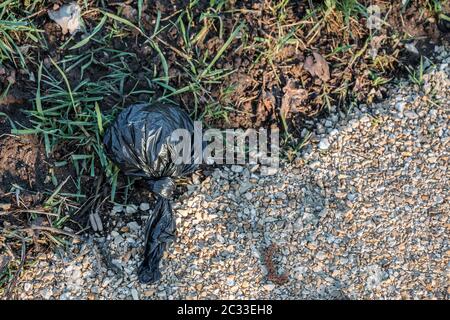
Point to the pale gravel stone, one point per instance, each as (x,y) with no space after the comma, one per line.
(324,144)
(400,106)
(134,226)
(130,209)
(237,169)
(134,294)
(117,209)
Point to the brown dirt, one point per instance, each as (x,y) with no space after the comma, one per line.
(416,22)
(261,84)
(22,158)
(21,163)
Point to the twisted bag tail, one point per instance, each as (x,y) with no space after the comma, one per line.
(160,230)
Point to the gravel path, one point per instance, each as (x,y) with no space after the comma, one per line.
(361,214)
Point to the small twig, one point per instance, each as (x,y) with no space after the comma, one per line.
(35,14)
(29,211)
(121,4)
(52,230)
(12,284)
(183,55)
(85,206)
(171,15)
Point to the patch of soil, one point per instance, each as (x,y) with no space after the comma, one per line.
(416,22)
(22,158)
(261,83)
(22,163)
(13,107)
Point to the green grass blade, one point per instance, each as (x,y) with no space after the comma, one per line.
(99,118)
(222,49)
(88,38)
(163,61)
(63,75)
(38,91)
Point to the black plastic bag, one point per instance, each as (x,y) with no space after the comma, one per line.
(443,22)
(139,142)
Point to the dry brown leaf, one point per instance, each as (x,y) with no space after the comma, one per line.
(319,67)
(293,98)
(377,41)
(268,100)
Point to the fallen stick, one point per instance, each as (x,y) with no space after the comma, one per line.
(53,230)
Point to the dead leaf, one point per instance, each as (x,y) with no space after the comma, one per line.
(377,41)
(293,98)
(268,100)
(319,67)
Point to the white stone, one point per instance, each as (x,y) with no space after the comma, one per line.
(268,171)
(130,209)
(117,208)
(324,144)
(134,226)
(400,106)
(269,287)
(411,115)
(237,169)
(134,294)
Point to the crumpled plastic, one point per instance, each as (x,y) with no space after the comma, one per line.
(444,22)
(68,17)
(140,143)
